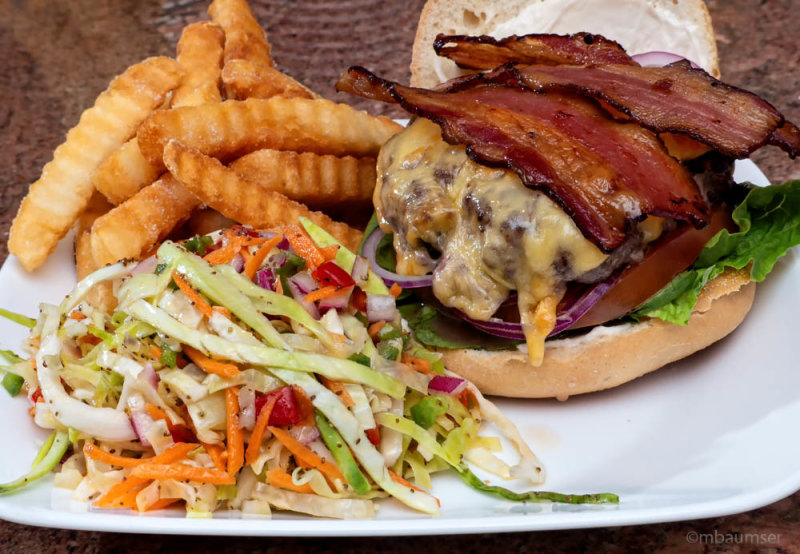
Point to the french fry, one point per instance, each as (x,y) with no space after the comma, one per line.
(245,39)
(200,56)
(136,225)
(315,180)
(102,294)
(244,79)
(124,173)
(233,128)
(245,202)
(55,200)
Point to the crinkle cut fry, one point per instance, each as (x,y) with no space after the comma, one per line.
(143,220)
(245,39)
(102,294)
(56,199)
(245,202)
(244,79)
(315,180)
(199,52)
(125,172)
(233,128)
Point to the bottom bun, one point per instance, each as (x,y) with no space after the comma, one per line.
(609,356)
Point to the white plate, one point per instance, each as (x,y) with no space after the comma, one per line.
(712,435)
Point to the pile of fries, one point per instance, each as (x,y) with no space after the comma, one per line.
(216,134)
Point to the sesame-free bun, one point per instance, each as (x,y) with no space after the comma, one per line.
(679,26)
(609,356)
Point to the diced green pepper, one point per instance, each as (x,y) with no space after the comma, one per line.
(426,411)
(13,383)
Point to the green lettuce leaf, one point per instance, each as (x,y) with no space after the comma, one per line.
(769,225)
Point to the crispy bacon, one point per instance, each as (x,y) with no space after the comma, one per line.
(675,98)
(485,52)
(604,173)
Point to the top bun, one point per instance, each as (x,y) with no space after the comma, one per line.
(682,27)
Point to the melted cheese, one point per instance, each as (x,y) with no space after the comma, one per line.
(494,234)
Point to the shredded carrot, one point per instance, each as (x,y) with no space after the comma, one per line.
(337,388)
(183,472)
(251,266)
(90,339)
(395,290)
(304,406)
(192,295)
(329,252)
(235,434)
(278,286)
(375,328)
(397,479)
(77,316)
(208,365)
(281,479)
(304,246)
(176,452)
(233,247)
(222,310)
(320,294)
(306,457)
(155,352)
(257,436)
(417,364)
(127,500)
(217,455)
(157,413)
(161,503)
(108,498)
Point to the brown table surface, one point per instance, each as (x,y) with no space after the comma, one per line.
(57,55)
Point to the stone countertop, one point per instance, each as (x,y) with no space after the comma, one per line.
(57,55)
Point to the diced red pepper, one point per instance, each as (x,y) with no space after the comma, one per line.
(359,300)
(329,273)
(374,436)
(287,409)
(36,396)
(181,433)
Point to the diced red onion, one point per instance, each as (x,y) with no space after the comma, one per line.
(305,283)
(338,301)
(265,278)
(300,296)
(390,278)
(659,59)
(141,422)
(360,271)
(238,263)
(247,408)
(446,384)
(277,260)
(148,265)
(381,307)
(304,434)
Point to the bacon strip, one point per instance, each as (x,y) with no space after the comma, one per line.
(604,173)
(675,98)
(485,52)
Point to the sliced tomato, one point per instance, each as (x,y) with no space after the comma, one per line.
(667,257)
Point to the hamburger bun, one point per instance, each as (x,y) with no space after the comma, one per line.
(679,26)
(606,356)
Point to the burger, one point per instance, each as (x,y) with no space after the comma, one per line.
(573,201)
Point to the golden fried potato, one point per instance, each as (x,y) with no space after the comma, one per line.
(200,56)
(245,39)
(222,189)
(318,181)
(244,79)
(233,128)
(136,225)
(54,201)
(124,173)
(101,295)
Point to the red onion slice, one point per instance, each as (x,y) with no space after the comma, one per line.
(566,317)
(296,286)
(360,272)
(304,434)
(148,265)
(141,423)
(659,59)
(390,278)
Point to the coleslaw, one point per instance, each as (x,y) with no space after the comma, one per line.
(253,370)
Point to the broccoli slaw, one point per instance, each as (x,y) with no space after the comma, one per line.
(253,371)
